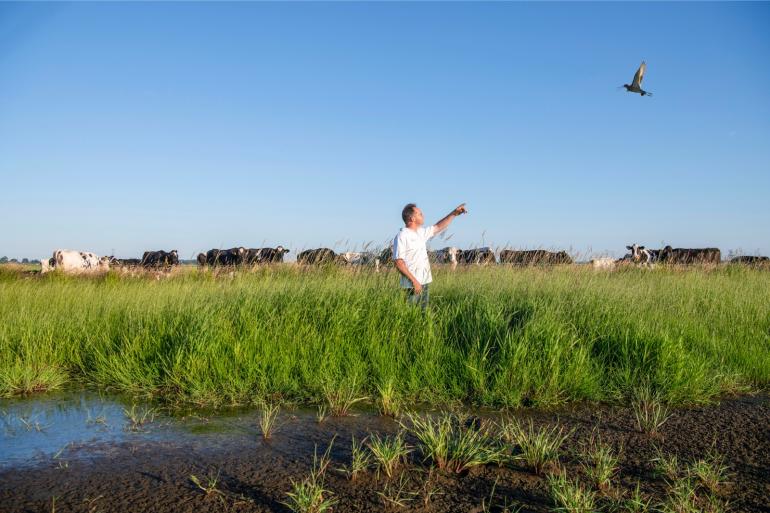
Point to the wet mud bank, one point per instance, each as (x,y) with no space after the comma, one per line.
(129,468)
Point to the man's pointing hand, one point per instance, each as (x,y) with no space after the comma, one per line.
(460,210)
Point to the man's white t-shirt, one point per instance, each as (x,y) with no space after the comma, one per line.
(409,245)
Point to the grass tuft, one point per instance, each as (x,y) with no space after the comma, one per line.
(389,401)
(600,464)
(21,379)
(649,411)
(682,497)
(711,471)
(570,496)
(268,419)
(360,459)
(342,397)
(538,448)
(666,465)
(321,413)
(139,417)
(310,495)
(636,503)
(450,444)
(209,485)
(389,452)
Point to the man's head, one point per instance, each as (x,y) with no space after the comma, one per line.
(412,216)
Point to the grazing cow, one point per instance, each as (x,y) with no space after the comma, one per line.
(125,262)
(603,263)
(448,255)
(669,255)
(160,259)
(254,256)
(364,258)
(534,257)
(69,261)
(319,256)
(478,256)
(750,260)
(222,257)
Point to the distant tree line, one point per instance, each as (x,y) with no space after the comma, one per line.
(6,260)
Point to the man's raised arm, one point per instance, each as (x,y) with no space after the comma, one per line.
(443,224)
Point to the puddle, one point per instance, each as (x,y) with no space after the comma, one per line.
(63,426)
(60,427)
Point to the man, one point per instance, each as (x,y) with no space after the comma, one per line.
(410,253)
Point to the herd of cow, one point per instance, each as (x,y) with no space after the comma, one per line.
(83,261)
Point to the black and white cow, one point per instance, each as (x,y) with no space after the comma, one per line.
(125,262)
(255,256)
(160,259)
(319,256)
(449,255)
(362,259)
(534,257)
(222,257)
(478,256)
(69,261)
(641,255)
(669,255)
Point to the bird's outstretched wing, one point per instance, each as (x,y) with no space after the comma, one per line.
(639,76)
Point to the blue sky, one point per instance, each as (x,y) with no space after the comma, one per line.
(134,126)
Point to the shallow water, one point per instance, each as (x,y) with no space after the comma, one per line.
(61,427)
(70,425)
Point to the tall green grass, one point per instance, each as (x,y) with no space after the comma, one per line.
(493,336)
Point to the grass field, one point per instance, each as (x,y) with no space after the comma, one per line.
(493,336)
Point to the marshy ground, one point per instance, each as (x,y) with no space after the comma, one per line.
(219,461)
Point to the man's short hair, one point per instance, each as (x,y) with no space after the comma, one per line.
(408,212)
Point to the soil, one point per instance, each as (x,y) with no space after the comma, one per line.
(254,475)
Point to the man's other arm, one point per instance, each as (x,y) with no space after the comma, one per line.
(404,270)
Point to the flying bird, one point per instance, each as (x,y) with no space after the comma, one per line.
(636,85)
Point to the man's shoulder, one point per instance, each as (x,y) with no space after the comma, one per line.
(405,236)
